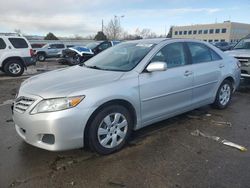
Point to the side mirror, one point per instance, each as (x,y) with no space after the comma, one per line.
(157,66)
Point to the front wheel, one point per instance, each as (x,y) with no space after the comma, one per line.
(110,129)
(41,57)
(224,95)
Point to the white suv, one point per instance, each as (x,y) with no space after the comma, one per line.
(15,54)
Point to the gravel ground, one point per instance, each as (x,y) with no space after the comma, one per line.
(165,154)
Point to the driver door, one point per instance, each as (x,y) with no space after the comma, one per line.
(165,93)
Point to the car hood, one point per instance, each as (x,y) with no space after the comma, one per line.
(82,50)
(239,53)
(63,82)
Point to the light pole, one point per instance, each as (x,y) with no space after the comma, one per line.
(119,18)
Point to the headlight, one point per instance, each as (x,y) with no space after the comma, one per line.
(57,104)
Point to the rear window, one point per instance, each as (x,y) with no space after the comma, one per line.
(57,46)
(201,53)
(18,43)
(2,44)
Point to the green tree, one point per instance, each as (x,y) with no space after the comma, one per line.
(100,36)
(50,36)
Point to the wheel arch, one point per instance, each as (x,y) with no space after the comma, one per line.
(230,79)
(121,102)
(13,58)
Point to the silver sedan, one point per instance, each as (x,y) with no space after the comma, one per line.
(124,88)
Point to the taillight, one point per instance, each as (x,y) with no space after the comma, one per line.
(32,52)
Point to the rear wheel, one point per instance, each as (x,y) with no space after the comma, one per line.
(110,129)
(14,68)
(224,95)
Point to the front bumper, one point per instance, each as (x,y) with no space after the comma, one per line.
(55,131)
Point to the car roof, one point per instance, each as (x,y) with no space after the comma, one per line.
(152,41)
(159,40)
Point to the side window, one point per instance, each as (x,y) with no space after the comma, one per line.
(105,45)
(52,46)
(215,56)
(2,44)
(18,43)
(201,53)
(173,54)
(59,46)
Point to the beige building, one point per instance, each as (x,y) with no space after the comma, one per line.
(226,31)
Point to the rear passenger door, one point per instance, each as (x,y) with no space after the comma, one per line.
(2,49)
(20,45)
(207,65)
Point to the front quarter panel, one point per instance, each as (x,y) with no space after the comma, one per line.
(126,88)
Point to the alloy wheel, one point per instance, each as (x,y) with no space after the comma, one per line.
(112,130)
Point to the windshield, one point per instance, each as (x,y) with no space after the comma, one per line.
(92,45)
(243,45)
(46,46)
(122,57)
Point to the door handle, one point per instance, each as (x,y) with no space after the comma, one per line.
(188,73)
(221,65)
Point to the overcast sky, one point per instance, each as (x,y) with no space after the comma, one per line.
(83,17)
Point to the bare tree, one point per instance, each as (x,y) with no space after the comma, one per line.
(145,33)
(18,31)
(78,37)
(113,30)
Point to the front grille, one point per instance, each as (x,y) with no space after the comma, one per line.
(21,104)
(243,59)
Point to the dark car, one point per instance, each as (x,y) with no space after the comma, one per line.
(224,46)
(79,54)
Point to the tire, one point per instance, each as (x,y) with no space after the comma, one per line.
(104,134)
(224,95)
(62,61)
(41,57)
(14,68)
(75,60)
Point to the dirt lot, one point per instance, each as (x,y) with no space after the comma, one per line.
(166,154)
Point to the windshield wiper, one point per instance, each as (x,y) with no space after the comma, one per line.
(93,67)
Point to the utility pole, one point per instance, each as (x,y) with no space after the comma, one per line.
(102,25)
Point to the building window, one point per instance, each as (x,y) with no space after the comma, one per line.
(211,31)
(180,32)
(205,40)
(216,40)
(217,30)
(176,32)
(210,40)
(185,32)
(195,32)
(206,31)
(200,32)
(222,40)
(190,32)
(224,30)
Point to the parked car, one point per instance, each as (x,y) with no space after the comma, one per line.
(37,45)
(242,52)
(79,54)
(224,46)
(49,51)
(124,88)
(16,54)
